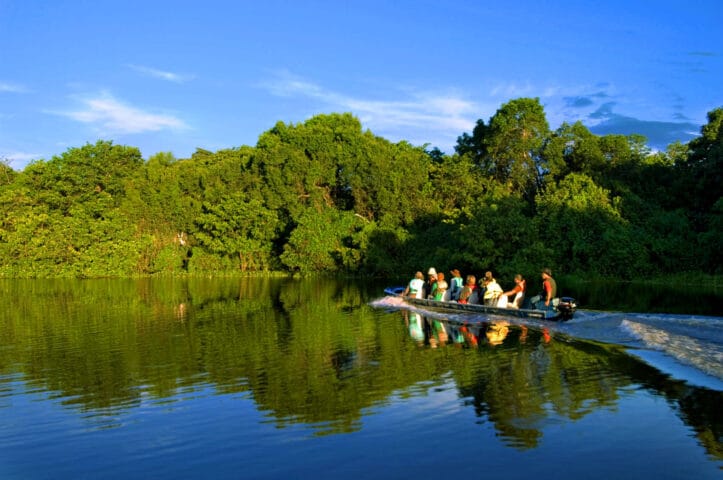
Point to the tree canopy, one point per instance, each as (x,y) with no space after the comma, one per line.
(327,196)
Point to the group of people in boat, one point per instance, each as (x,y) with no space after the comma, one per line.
(488,291)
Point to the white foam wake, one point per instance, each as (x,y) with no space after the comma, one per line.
(705,356)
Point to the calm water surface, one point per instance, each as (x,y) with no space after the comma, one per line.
(280,378)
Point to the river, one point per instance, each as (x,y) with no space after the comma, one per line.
(277,378)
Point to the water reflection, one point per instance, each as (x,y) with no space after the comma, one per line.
(522,380)
(435,333)
(307,352)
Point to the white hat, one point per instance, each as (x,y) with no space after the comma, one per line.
(432,271)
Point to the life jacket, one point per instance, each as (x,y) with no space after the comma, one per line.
(553,287)
(415,287)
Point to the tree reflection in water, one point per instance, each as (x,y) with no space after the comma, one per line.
(311,352)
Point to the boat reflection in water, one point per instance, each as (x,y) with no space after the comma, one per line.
(523,379)
(434,332)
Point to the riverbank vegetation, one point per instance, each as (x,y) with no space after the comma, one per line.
(326,196)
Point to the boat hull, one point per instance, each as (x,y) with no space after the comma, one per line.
(564,311)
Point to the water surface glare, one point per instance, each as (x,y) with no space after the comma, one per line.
(282,378)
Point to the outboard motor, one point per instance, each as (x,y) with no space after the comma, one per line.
(566,307)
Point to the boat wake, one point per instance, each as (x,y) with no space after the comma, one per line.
(686,347)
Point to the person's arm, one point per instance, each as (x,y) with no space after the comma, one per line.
(514,290)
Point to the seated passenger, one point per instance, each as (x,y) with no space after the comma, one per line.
(429,284)
(468,289)
(415,287)
(455,285)
(549,287)
(492,290)
(518,291)
(439,287)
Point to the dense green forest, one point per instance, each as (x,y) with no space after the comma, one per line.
(326,196)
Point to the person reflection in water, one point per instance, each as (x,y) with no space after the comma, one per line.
(180,311)
(523,334)
(437,333)
(546,337)
(469,336)
(413,321)
(497,332)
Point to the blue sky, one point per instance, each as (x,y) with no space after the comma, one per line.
(173,76)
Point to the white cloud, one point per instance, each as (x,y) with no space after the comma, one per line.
(439,118)
(445,114)
(508,91)
(19,159)
(112,116)
(12,88)
(162,74)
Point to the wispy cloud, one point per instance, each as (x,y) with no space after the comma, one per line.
(514,90)
(18,159)
(440,118)
(447,114)
(162,74)
(12,88)
(110,115)
(703,54)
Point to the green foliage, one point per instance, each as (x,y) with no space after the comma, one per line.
(711,241)
(168,259)
(239,229)
(7,174)
(514,140)
(572,149)
(326,241)
(204,262)
(670,241)
(580,223)
(80,174)
(328,162)
(473,146)
(704,168)
(325,196)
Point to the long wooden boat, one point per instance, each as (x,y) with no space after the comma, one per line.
(564,310)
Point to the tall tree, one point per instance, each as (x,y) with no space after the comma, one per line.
(514,140)
(473,146)
(572,149)
(705,164)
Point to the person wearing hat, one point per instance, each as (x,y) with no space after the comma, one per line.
(549,290)
(455,284)
(429,285)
